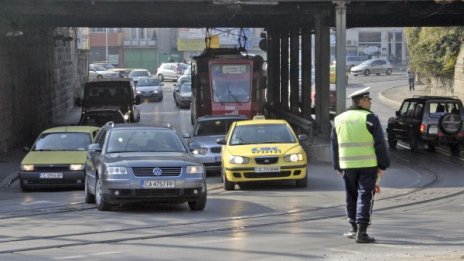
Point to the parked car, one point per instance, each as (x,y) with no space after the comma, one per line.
(100,72)
(57,158)
(183,95)
(262,150)
(99,117)
(373,66)
(186,76)
(107,65)
(137,163)
(430,120)
(170,71)
(119,94)
(150,88)
(353,60)
(136,74)
(206,131)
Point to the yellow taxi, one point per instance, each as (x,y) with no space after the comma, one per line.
(262,150)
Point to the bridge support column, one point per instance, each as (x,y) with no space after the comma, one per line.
(273,66)
(306,67)
(322,57)
(294,68)
(284,54)
(340,21)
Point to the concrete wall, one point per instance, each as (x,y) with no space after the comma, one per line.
(459,74)
(39,75)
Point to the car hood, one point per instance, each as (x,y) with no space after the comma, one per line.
(271,149)
(55,157)
(206,140)
(185,94)
(140,159)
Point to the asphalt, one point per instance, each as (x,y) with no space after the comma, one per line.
(10,160)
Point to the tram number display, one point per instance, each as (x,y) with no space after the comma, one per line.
(236,68)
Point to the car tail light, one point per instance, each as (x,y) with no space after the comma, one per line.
(461,134)
(423,128)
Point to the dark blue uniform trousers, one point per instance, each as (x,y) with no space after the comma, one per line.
(359,186)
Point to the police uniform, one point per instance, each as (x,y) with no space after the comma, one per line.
(358,150)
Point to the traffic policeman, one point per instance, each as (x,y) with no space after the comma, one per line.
(360,155)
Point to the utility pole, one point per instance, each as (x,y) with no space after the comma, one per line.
(340,69)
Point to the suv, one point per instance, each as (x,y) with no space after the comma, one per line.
(117,94)
(139,163)
(170,71)
(430,120)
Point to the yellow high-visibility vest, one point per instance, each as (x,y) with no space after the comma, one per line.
(355,142)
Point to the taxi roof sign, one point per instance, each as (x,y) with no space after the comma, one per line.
(259,117)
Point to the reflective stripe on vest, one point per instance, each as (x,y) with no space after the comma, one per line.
(355,142)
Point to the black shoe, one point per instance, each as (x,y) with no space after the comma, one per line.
(362,236)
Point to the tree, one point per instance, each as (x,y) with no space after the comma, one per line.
(433,50)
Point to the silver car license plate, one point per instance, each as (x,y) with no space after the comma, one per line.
(170,183)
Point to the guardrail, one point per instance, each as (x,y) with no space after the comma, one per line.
(299,124)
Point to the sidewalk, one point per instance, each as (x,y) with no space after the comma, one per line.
(395,96)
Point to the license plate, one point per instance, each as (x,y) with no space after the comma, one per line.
(267,169)
(158,184)
(218,159)
(433,130)
(51,175)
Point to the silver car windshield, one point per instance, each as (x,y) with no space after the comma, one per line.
(264,133)
(144,140)
(212,127)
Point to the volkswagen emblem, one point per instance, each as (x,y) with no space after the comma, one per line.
(157,172)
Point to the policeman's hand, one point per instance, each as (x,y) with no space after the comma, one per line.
(380,173)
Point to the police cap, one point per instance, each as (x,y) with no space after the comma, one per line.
(363,93)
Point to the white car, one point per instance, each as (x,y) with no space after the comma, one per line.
(100,72)
(137,74)
(373,66)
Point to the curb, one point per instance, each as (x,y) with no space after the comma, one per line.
(8,180)
(388,101)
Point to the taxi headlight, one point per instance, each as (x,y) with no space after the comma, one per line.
(76,167)
(238,160)
(27,167)
(194,169)
(126,117)
(201,151)
(116,171)
(294,157)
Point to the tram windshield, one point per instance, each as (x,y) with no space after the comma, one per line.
(231,83)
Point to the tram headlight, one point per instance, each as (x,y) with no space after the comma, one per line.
(238,160)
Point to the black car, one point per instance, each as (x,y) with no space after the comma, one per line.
(139,163)
(429,120)
(99,117)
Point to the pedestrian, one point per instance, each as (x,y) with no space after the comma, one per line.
(412,79)
(360,156)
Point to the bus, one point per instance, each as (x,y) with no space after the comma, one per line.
(227,81)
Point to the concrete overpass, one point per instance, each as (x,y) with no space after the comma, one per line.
(40,69)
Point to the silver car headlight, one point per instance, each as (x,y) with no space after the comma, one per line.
(200,151)
(27,167)
(238,160)
(116,171)
(194,170)
(294,157)
(76,167)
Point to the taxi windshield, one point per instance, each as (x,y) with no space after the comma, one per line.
(62,141)
(261,133)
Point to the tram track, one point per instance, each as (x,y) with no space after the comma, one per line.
(217,225)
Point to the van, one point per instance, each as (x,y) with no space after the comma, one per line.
(112,94)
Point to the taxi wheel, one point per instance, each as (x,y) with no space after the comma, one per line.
(99,200)
(198,204)
(227,184)
(302,183)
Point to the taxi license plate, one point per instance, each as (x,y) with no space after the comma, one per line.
(158,184)
(51,175)
(267,169)
(433,130)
